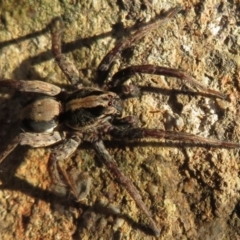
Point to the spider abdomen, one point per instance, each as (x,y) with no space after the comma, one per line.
(41,115)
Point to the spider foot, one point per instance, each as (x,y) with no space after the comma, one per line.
(81,183)
(56,31)
(78,184)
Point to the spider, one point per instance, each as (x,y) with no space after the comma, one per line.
(90,111)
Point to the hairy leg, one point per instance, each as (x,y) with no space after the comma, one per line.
(67,66)
(110,163)
(32,139)
(78,183)
(138,133)
(123,75)
(104,66)
(31,86)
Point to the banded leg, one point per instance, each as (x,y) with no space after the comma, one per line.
(31,86)
(67,66)
(34,140)
(123,75)
(110,163)
(104,66)
(79,185)
(138,133)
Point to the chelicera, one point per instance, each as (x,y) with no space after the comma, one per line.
(92,110)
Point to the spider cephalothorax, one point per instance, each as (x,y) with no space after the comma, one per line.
(87,107)
(91,111)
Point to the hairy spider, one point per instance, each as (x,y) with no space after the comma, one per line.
(92,110)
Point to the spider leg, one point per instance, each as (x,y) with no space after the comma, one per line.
(31,86)
(67,66)
(125,122)
(106,158)
(36,140)
(10,147)
(138,133)
(32,139)
(104,66)
(124,74)
(60,178)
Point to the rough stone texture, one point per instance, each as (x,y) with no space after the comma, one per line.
(192,191)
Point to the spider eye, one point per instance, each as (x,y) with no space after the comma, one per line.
(110,103)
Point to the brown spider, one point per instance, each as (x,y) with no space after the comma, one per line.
(90,111)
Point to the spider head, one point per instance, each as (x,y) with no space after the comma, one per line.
(115,105)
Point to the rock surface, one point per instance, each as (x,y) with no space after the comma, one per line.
(192,191)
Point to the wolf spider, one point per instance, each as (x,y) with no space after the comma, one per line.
(92,110)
